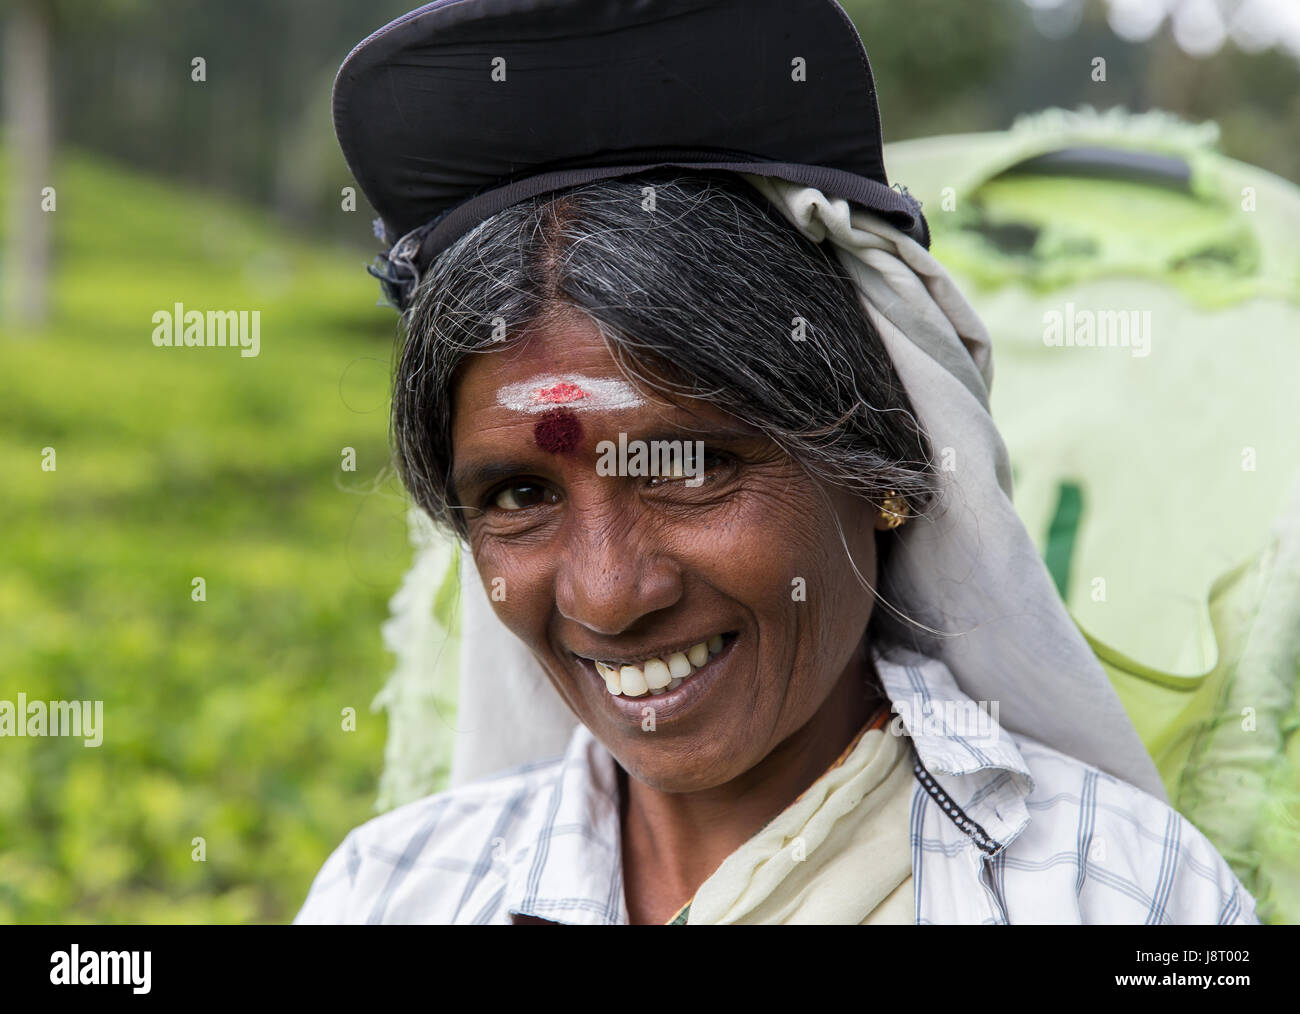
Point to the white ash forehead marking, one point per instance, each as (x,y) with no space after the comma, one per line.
(572,391)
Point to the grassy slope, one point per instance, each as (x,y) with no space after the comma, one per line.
(222,718)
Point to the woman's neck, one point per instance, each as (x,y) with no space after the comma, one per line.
(673,842)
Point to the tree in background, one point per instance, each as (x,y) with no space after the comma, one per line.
(32,28)
(25,267)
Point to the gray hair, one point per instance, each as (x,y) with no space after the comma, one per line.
(698,286)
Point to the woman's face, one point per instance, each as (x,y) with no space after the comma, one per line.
(629,569)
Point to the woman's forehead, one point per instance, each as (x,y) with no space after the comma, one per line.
(554,367)
(558,386)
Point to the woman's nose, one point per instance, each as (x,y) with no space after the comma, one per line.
(611,574)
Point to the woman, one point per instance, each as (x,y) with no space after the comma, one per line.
(714,429)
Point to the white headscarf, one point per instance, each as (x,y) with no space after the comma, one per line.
(970,561)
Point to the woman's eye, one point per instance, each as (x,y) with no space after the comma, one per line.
(521,496)
(676,470)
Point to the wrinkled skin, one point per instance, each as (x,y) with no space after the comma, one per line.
(614,567)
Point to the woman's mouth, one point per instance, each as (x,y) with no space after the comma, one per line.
(659,674)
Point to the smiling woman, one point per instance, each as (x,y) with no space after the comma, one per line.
(649,599)
(719,658)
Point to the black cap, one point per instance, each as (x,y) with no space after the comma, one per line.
(461,108)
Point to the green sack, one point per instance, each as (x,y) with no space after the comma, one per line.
(1156,457)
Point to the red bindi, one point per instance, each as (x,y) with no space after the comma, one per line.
(558,431)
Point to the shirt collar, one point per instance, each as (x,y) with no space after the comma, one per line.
(960,741)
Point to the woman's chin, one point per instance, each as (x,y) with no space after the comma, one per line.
(693,770)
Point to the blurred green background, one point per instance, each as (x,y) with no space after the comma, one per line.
(225,718)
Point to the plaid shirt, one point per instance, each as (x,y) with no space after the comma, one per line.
(1003,830)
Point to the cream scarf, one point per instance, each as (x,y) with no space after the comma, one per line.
(839,854)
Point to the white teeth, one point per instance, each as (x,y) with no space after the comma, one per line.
(657,675)
(633,681)
(612,683)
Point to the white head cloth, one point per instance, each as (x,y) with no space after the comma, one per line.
(970,563)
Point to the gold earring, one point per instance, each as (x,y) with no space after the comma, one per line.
(894,510)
